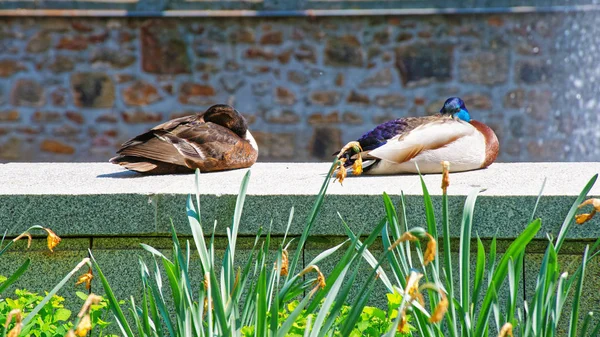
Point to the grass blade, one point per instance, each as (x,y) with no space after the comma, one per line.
(15,276)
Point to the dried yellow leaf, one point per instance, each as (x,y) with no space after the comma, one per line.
(86,278)
(445,176)
(440,309)
(430,251)
(284,263)
(53,239)
(357,166)
(506,330)
(84,326)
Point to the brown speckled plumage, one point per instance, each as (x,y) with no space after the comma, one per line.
(212,141)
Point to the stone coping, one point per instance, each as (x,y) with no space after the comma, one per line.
(101,199)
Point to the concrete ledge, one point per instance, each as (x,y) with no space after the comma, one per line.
(98,199)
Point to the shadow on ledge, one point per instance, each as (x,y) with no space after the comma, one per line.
(121,175)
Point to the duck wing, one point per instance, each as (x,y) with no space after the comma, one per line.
(429,136)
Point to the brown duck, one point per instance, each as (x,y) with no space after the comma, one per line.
(216,140)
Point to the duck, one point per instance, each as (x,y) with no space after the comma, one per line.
(215,140)
(395,146)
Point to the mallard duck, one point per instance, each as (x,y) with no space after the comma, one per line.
(397,145)
(216,140)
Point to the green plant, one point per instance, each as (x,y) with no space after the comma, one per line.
(372,322)
(476,302)
(252,295)
(53,319)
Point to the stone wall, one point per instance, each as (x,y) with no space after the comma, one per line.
(75,89)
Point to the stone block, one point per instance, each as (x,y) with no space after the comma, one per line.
(488,68)
(421,64)
(163,49)
(93,90)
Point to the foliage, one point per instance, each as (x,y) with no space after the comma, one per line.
(373,321)
(252,295)
(476,302)
(53,319)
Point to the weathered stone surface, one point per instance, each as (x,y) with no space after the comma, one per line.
(281,116)
(344,51)
(93,90)
(10,67)
(478,102)
(206,49)
(260,53)
(484,68)
(27,92)
(58,97)
(285,56)
(261,88)
(46,117)
(434,107)
(39,43)
(275,146)
(113,57)
(31,130)
(306,53)
(57,147)
(382,37)
(404,36)
(10,116)
(514,99)
(125,36)
(380,79)
(275,38)
(107,118)
(285,96)
(195,93)
(61,64)
(297,77)
(163,49)
(533,72)
(75,43)
(82,26)
(324,142)
(517,126)
(98,38)
(339,80)
(140,93)
(327,98)
(352,118)
(539,104)
(242,35)
(372,54)
(320,118)
(75,117)
(421,64)
(356,98)
(390,101)
(378,119)
(137,116)
(66,131)
(205,67)
(232,83)
(11,149)
(528,47)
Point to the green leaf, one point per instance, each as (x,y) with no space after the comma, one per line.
(62,314)
(15,276)
(577,295)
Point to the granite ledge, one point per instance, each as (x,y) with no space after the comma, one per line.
(98,199)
